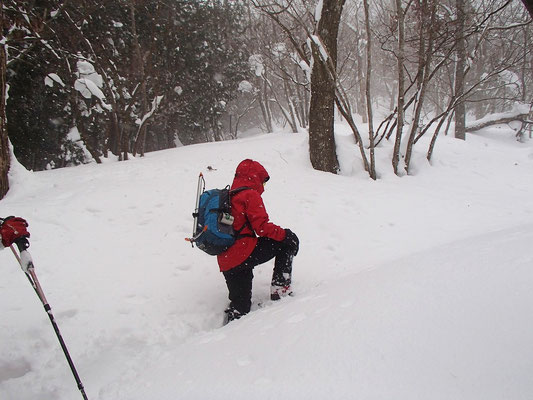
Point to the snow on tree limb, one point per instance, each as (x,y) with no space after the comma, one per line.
(520,113)
(155,104)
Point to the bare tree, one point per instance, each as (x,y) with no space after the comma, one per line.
(460,109)
(30,25)
(426,21)
(281,86)
(324,89)
(400,16)
(322,149)
(372,171)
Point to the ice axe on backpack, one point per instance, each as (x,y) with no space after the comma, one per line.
(213,230)
(199,191)
(26,263)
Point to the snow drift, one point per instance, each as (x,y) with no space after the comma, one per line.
(406,288)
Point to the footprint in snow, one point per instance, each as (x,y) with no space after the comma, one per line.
(14,369)
(67,314)
(297,318)
(244,361)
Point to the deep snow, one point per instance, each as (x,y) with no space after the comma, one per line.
(417,287)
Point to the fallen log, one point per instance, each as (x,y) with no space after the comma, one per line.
(483,123)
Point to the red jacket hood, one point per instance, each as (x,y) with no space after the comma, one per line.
(249,213)
(251,174)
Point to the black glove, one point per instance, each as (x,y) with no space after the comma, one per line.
(291,241)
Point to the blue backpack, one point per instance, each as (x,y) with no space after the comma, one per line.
(213,229)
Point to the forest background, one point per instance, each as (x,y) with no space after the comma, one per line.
(90,80)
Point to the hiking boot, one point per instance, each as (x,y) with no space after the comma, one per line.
(231,314)
(277,292)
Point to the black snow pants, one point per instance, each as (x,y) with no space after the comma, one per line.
(239,279)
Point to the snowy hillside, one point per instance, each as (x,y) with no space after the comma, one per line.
(407,288)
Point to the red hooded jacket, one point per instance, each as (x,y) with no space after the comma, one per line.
(248,211)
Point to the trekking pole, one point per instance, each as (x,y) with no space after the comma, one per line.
(26,263)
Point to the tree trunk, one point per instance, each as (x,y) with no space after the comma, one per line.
(372,171)
(301,105)
(4,142)
(262,98)
(424,66)
(138,147)
(460,109)
(287,113)
(401,86)
(306,105)
(289,95)
(322,149)
(362,92)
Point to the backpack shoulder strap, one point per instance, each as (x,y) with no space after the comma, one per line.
(246,223)
(237,190)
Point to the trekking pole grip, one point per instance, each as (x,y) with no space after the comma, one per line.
(22,244)
(24,256)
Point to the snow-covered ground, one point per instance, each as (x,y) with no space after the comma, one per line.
(417,287)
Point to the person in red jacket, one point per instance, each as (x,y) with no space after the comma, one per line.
(259,241)
(12,229)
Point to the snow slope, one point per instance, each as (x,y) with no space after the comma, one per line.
(406,288)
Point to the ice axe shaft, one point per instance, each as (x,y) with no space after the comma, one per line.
(200,188)
(26,263)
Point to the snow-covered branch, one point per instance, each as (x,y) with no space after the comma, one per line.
(520,114)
